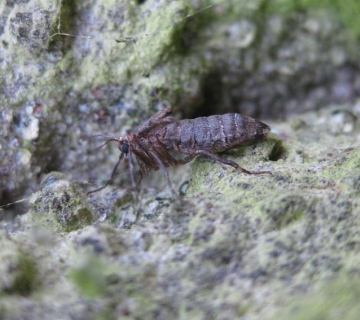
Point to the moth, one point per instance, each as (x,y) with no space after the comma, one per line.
(154,142)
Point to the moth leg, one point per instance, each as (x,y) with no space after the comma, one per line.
(187,159)
(140,179)
(217,158)
(131,170)
(111,177)
(165,172)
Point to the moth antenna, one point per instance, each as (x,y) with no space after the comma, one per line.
(112,174)
(15,202)
(104,136)
(105,143)
(109,139)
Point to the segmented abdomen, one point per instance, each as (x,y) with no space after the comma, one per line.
(214,133)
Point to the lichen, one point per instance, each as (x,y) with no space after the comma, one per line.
(237,245)
(18,269)
(60,205)
(332,300)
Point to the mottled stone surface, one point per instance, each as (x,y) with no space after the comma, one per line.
(60,205)
(238,246)
(64,78)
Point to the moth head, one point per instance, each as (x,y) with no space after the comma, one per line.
(123,145)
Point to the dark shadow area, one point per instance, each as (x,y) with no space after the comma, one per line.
(211,96)
(278,152)
(68,15)
(11,204)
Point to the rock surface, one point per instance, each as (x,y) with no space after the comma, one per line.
(238,246)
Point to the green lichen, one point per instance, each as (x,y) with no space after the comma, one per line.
(288,209)
(25,275)
(347,11)
(235,187)
(18,268)
(336,299)
(143,41)
(60,205)
(89,276)
(32,23)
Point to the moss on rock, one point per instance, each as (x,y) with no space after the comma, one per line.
(60,205)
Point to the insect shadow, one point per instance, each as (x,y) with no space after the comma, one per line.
(153,142)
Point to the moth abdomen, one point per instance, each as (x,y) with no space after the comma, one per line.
(214,133)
